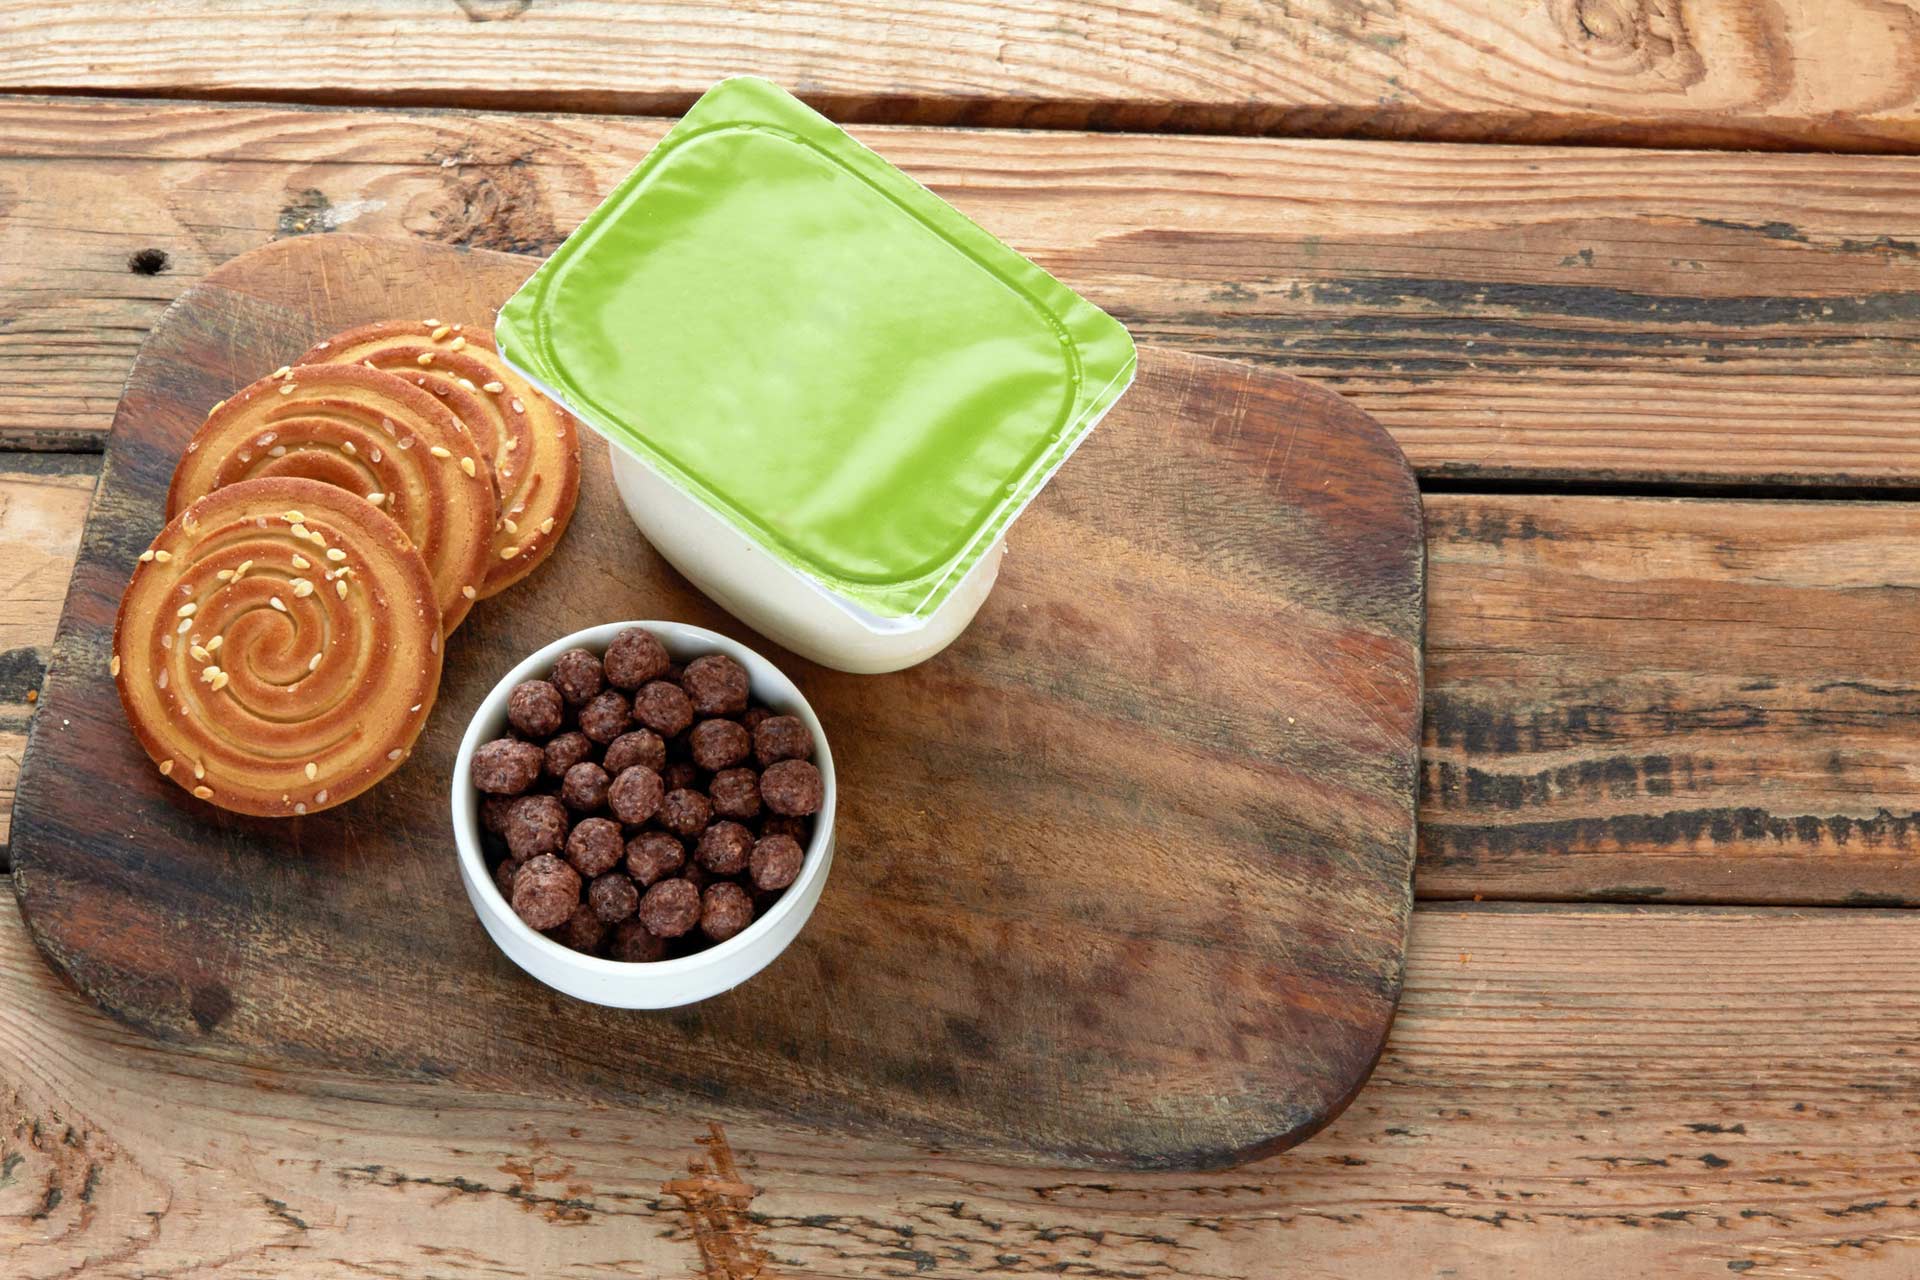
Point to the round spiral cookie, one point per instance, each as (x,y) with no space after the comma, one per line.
(372,434)
(531,441)
(278,648)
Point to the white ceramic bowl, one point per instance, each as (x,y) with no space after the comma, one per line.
(662,984)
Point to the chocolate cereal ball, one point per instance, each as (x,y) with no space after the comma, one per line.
(653,856)
(577,675)
(605,717)
(696,875)
(584,789)
(583,930)
(546,891)
(793,787)
(594,846)
(632,943)
(536,825)
(725,909)
(493,813)
(534,709)
(670,908)
(681,775)
(612,897)
(635,795)
(723,848)
(663,708)
(752,717)
(635,657)
(685,813)
(642,746)
(506,766)
(566,751)
(736,794)
(780,738)
(717,684)
(717,744)
(775,862)
(503,877)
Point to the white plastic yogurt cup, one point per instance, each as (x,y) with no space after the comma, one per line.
(784,606)
(660,984)
(828,392)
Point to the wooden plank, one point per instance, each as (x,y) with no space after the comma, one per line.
(1696,700)
(1691,700)
(43,503)
(1582,1092)
(1504,312)
(1827,74)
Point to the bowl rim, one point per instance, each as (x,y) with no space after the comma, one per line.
(466,828)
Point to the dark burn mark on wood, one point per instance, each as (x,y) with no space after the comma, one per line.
(493,205)
(278,1208)
(1771,230)
(306,212)
(1709,1126)
(1713,1161)
(1452,843)
(22,671)
(1866,898)
(966,1036)
(1462,302)
(1603,778)
(1490,525)
(553,1208)
(1887,245)
(1871,690)
(147,262)
(210,1005)
(1455,717)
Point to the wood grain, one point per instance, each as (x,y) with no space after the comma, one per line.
(43,502)
(1582,1092)
(1122,878)
(1523,314)
(1627,698)
(1818,74)
(1633,698)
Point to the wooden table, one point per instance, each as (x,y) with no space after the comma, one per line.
(1663,1004)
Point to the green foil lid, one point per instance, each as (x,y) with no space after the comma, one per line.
(818,348)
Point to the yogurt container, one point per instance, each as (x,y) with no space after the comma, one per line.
(827,392)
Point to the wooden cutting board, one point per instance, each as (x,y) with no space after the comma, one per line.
(1123,876)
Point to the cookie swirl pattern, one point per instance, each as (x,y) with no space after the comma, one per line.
(532,443)
(278,649)
(369,433)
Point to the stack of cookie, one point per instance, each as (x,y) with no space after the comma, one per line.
(278,648)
